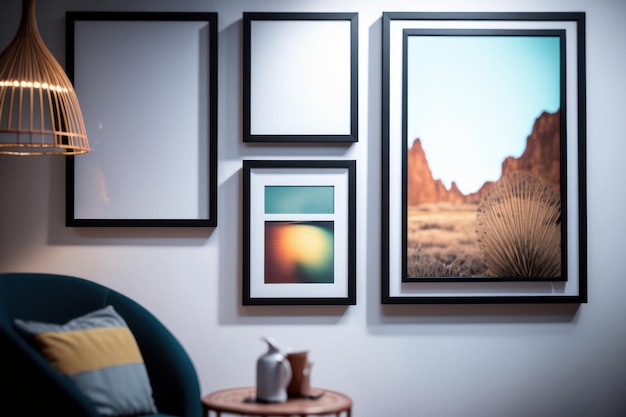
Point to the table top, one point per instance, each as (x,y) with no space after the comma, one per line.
(243,401)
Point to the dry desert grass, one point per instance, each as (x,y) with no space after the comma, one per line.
(515,231)
(442,241)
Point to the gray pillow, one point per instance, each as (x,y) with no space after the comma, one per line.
(100,354)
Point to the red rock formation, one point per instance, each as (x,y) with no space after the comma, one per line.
(455,195)
(540,158)
(542,154)
(421,186)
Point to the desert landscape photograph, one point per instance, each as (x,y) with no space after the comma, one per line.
(483,156)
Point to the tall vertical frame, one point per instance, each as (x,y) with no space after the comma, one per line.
(433,65)
(147,83)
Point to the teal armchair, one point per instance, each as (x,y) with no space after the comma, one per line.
(30,386)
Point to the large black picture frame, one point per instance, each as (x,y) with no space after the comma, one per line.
(152,128)
(397,286)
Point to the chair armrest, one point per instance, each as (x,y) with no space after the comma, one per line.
(174,381)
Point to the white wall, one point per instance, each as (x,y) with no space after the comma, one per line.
(435,361)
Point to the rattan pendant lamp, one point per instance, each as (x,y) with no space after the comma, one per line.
(39,111)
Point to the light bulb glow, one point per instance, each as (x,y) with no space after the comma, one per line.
(33,84)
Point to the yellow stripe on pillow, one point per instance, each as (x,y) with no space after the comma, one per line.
(86,350)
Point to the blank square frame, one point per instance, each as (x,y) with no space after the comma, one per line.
(300,77)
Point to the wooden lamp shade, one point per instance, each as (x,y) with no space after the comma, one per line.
(39,110)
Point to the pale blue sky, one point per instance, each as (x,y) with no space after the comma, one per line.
(472,100)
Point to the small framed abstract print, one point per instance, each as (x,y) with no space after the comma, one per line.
(299,229)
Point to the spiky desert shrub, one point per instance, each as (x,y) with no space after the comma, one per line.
(519,227)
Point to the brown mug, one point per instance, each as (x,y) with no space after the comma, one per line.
(300,374)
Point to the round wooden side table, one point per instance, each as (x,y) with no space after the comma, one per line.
(242,401)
